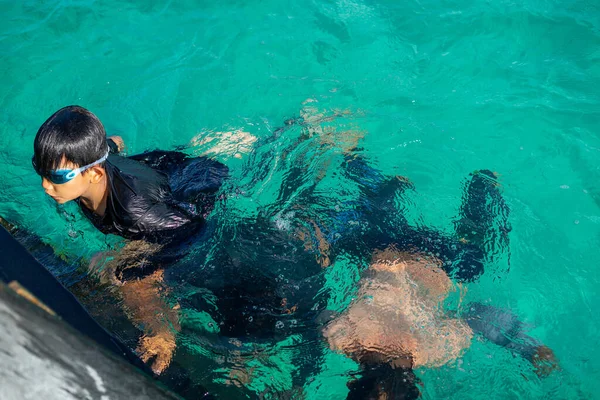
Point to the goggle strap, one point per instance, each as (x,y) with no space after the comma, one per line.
(79,170)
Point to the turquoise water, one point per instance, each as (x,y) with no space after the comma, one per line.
(437,88)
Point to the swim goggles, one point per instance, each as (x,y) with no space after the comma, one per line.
(60,176)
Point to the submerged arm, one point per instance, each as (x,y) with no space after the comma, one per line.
(159,322)
(138,279)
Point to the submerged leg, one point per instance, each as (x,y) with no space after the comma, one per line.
(373,220)
(504,329)
(481,229)
(483,215)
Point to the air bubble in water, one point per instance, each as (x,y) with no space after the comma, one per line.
(279,325)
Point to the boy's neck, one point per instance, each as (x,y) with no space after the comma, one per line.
(95,198)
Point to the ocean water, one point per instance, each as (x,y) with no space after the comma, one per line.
(430,90)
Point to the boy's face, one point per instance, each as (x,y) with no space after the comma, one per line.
(71,190)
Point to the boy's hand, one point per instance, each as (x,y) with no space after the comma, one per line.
(161,347)
(119,142)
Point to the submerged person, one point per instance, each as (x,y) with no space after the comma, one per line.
(158,199)
(398,322)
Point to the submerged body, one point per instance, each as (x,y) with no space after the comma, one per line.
(398,315)
(398,320)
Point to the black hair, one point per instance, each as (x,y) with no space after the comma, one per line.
(72,133)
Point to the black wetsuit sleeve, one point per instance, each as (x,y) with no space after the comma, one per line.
(142,206)
(164,221)
(113,148)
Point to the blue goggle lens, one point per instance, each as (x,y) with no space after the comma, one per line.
(61,176)
(57,177)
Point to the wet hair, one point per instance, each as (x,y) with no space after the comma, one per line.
(72,133)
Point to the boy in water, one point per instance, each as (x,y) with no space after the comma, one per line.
(159,199)
(130,197)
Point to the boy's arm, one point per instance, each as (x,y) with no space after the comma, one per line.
(146,307)
(144,297)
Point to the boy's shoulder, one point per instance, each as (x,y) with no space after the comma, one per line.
(135,174)
(135,187)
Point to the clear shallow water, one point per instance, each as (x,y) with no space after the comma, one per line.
(438,88)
